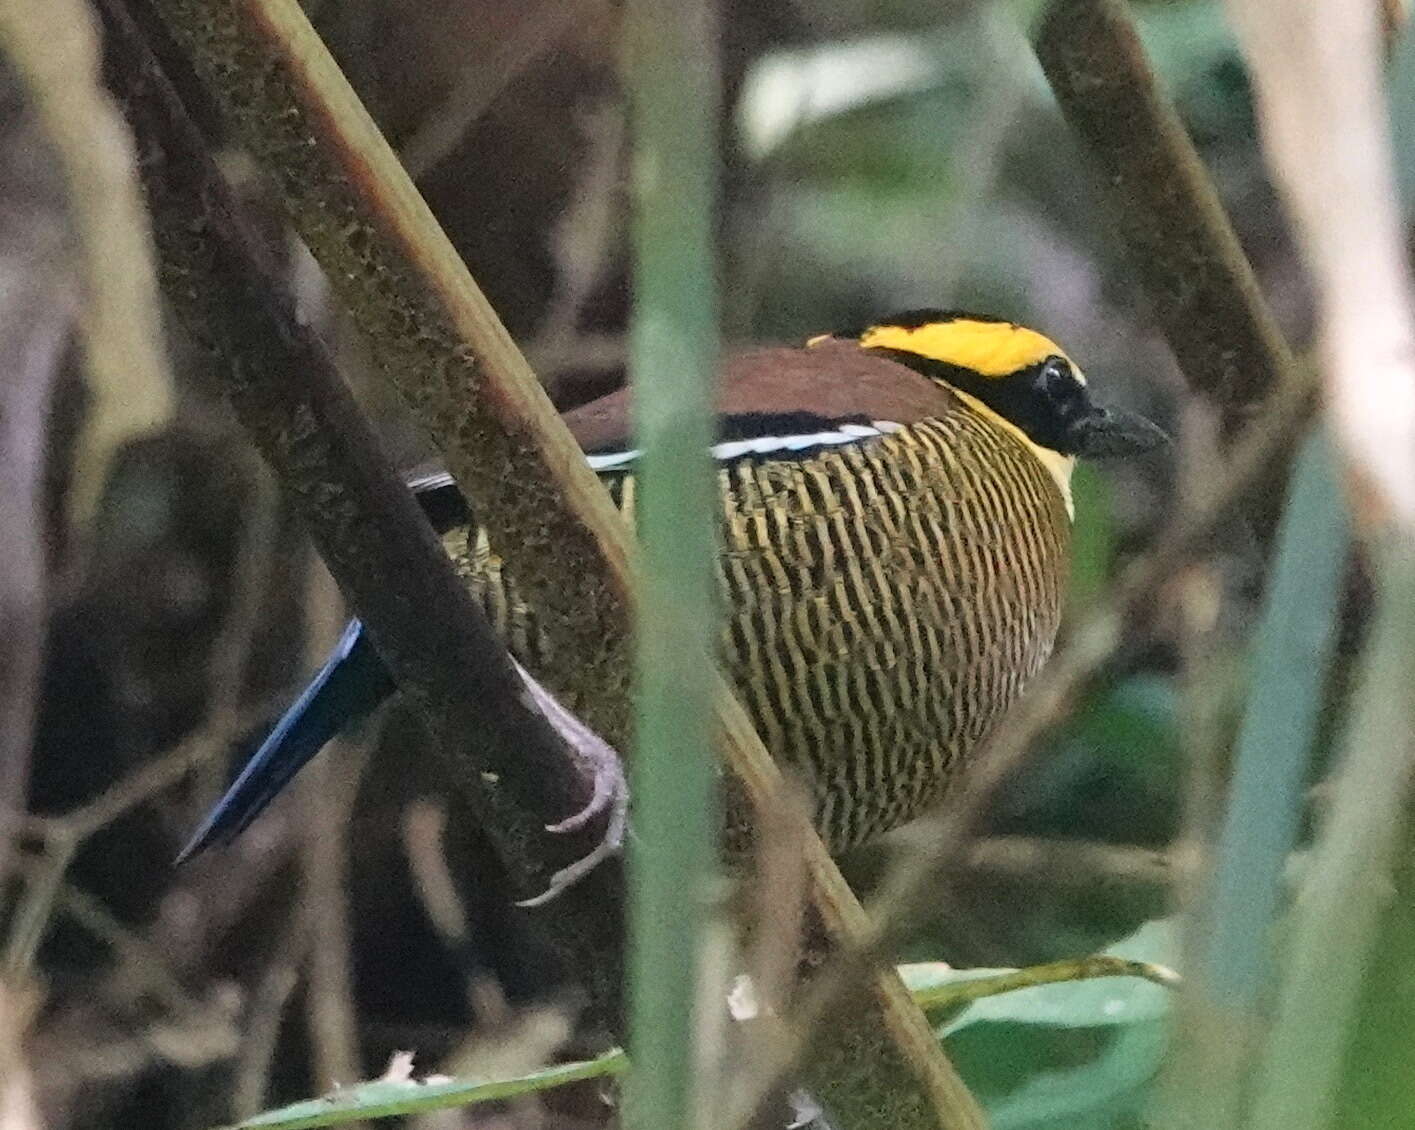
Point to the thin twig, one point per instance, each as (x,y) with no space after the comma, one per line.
(33,911)
(145,782)
(1073,863)
(230,651)
(539,24)
(36,313)
(261,1024)
(61,836)
(423,825)
(956,993)
(133,952)
(19,1104)
(329,996)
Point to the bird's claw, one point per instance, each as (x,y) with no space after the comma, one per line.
(610,793)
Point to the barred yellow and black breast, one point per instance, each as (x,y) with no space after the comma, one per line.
(885,602)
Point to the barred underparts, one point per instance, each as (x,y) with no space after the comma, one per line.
(886,601)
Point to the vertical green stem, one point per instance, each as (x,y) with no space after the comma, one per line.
(673,345)
(1231,972)
(1336,916)
(1294,648)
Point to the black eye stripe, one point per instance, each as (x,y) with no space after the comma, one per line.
(1042,399)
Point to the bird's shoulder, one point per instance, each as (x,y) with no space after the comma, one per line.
(773,391)
(775,401)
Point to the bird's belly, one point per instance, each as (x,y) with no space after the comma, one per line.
(876,688)
(876,629)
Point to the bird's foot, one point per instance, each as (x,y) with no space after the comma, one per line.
(610,793)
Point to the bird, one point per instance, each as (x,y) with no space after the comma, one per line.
(894,545)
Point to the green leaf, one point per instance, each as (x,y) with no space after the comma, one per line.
(1069,1056)
(386,1098)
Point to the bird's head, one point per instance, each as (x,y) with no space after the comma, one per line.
(1016,374)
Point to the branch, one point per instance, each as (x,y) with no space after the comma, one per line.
(505,760)
(1182,247)
(452,361)
(35,316)
(1325,131)
(55,49)
(433,332)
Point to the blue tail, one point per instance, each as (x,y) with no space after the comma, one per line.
(349,687)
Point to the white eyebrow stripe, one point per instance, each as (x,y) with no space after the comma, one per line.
(764,445)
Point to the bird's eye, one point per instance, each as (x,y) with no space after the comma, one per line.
(1055,378)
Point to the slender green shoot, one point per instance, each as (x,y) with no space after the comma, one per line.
(1231,971)
(1337,912)
(388,1098)
(1293,654)
(673,86)
(936,989)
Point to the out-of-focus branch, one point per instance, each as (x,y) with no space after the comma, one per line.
(504,758)
(1182,246)
(457,368)
(54,47)
(34,325)
(36,309)
(1317,72)
(1075,863)
(250,574)
(539,24)
(330,1017)
(260,1028)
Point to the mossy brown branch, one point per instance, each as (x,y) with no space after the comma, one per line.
(432,332)
(447,353)
(1180,242)
(505,760)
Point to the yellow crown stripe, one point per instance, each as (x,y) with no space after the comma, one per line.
(990,349)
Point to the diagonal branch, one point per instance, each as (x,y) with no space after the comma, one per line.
(506,761)
(447,353)
(1182,246)
(436,337)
